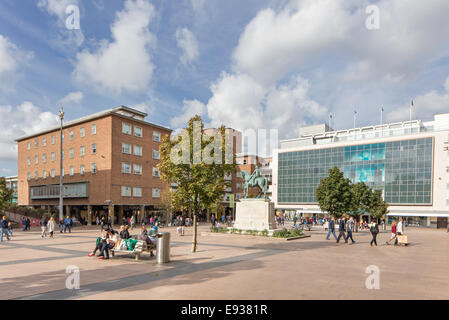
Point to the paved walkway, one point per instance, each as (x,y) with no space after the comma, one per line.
(228,267)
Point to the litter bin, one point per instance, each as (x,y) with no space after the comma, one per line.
(163,247)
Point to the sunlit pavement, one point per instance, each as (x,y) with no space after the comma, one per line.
(228,267)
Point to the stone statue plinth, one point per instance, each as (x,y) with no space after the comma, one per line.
(255,214)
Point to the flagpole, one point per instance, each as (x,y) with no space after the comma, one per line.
(411,105)
(355,113)
(381,121)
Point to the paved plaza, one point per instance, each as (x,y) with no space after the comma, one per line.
(228,267)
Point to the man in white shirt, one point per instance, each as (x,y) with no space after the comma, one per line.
(399,229)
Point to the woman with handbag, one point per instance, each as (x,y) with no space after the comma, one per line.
(393,232)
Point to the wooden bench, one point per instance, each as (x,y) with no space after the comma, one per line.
(140,247)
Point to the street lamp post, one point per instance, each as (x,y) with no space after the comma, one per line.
(61,188)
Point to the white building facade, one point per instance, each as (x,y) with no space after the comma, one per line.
(407,161)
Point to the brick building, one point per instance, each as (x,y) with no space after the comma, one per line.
(109,166)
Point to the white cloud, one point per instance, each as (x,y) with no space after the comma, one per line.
(304,34)
(58,8)
(11,58)
(190,109)
(18,121)
(187,42)
(73,97)
(242,103)
(424,105)
(123,64)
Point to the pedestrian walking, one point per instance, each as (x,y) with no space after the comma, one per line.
(349,229)
(51,225)
(341,229)
(399,230)
(43,224)
(393,232)
(28,224)
(374,229)
(61,225)
(67,223)
(331,228)
(294,220)
(4,228)
(10,228)
(132,222)
(24,224)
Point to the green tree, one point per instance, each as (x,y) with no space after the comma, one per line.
(197,163)
(334,194)
(362,198)
(379,207)
(6,194)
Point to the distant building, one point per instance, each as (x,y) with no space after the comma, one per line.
(11,183)
(407,161)
(109,166)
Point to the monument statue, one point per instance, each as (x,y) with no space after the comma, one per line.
(255,180)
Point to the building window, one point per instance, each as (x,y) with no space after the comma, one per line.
(126,191)
(137,192)
(137,150)
(36,143)
(28,145)
(52,156)
(52,139)
(52,173)
(94,168)
(82,170)
(44,142)
(156,136)
(36,159)
(29,161)
(36,175)
(137,169)
(156,193)
(44,158)
(126,128)
(156,172)
(94,148)
(72,134)
(126,167)
(94,129)
(71,153)
(28,176)
(72,171)
(126,148)
(138,131)
(156,154)
(44,174)
(82,132)
(82,151)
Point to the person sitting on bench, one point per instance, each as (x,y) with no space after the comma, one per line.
(124,233)
(99,244)
(110,243)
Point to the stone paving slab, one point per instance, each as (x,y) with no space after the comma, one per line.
(229,267)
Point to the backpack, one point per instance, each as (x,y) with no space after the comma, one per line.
(374,229)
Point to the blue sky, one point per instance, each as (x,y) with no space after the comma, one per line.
(248,64)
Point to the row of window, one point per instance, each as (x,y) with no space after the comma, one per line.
(93,150)
(53,137)
(52,172)
(127,128)
(137,192)
(137,169)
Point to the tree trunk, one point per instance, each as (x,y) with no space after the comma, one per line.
(194,241)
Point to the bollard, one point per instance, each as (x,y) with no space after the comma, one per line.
(163,247)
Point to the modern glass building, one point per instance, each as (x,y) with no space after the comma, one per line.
(408,162)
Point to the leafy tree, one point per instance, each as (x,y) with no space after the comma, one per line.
(362,198)
(197,163)
(334,194)
(378,207)
(6,194)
